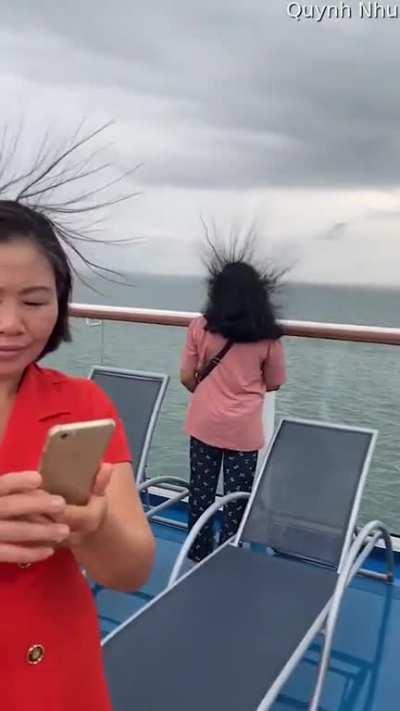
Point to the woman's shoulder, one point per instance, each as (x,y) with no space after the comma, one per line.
(274,350)
(51,376)
(267,347)
(70,387)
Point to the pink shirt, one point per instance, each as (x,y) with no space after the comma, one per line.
(226,408)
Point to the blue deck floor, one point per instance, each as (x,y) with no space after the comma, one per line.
(113,607)
(363,674)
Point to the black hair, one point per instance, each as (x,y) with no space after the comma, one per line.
(240,292)
(25,215)
(20,222)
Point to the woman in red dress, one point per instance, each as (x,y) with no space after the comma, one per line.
(49,639)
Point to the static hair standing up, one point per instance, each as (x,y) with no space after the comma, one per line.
(35,188)
(240,289)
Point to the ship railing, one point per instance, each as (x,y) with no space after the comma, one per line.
(96,314)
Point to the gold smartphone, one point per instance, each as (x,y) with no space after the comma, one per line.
(71,458)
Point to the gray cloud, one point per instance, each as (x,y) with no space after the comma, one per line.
(334,233)
(238,95)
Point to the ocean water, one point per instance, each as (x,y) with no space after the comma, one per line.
(355,384)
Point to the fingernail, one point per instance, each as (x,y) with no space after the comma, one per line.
(57,502)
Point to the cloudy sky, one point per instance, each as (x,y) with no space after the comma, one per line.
(236,112)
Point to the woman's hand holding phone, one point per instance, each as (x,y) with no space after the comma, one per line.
(31,520)
(34,523)
(65,502)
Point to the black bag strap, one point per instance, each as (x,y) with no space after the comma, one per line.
(201,374)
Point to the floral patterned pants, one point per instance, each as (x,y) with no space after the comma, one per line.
(205,465)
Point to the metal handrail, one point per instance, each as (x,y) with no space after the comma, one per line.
(158,480)
(299,329)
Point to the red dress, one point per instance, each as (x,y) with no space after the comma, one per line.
(49,639)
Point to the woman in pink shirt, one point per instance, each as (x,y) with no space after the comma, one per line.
(224,417)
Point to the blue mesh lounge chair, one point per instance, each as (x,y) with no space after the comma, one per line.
(229,633)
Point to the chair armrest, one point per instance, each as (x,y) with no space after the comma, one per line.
(157,480)
(206,515)
(360,549)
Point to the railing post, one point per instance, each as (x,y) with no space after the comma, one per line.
(268,424)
